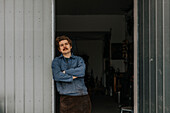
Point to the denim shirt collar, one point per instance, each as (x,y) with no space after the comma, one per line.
(72,56)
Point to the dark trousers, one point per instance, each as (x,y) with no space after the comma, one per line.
(75,104)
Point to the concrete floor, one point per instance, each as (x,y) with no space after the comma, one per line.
(104,104)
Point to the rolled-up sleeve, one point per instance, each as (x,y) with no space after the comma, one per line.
(58,75)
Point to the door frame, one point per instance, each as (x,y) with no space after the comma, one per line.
(53,110)
(136,85)
(135,14)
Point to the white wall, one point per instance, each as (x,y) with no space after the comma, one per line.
(96,23)
(25,56)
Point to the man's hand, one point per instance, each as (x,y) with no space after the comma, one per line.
(64,72)
(74,77)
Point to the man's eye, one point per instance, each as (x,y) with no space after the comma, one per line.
(61,45)
(66,43)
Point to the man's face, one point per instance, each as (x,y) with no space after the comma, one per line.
(64,47)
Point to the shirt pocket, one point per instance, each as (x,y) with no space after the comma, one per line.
(74,64)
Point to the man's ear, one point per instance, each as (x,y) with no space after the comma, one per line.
(59,50)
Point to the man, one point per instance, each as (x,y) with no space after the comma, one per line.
(68,72)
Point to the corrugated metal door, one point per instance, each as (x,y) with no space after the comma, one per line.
(25,56)
(154,56)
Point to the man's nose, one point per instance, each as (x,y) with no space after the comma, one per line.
(64,45)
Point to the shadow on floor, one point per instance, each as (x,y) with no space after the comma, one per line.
(104,104)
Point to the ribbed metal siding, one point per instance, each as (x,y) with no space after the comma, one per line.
(154,56)
(25,56)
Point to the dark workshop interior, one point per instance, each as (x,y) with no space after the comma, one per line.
(102,34)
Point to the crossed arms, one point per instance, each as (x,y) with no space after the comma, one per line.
(70,74)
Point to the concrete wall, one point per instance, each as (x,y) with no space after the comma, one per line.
(25,56)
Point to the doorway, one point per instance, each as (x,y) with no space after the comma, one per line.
(123,31)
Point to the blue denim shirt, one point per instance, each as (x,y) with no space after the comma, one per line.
(74,66)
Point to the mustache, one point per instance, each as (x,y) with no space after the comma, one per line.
(65,49)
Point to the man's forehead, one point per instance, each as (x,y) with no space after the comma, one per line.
(63,41)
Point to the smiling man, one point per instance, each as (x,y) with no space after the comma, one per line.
(68,72)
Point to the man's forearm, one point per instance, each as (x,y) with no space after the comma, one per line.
(73,76)
(78,72)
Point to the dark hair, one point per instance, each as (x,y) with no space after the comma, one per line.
(63,37)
